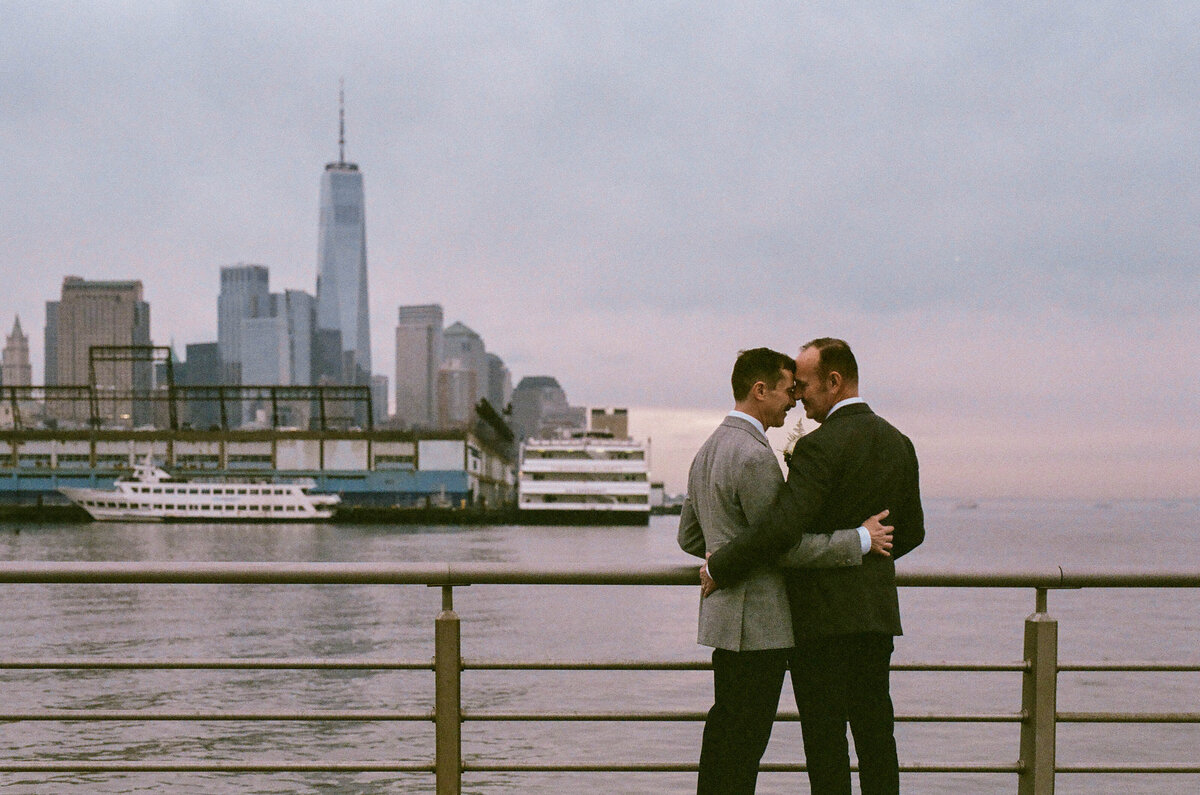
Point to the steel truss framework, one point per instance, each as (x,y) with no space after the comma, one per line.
(328,407)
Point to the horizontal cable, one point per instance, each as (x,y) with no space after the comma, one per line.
(692,767)
(91,715)
(1131,666)
(324,664)
(1129,717)
(215,767)
(685,715)
(974,667)
(1128,769)
(586,665)
(701,665)
(71,715)
(219,664)
(267,766)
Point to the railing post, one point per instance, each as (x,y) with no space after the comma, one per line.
(447,709)
(1039,702)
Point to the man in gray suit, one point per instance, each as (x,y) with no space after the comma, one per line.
(733,483)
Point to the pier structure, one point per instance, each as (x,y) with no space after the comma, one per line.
(450,758)
(64,435)
(377,468)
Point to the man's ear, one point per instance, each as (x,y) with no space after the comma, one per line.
(759,389)
(835,381)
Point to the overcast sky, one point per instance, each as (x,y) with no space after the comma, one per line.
(997,205)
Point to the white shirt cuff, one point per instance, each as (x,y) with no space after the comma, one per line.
(864,540)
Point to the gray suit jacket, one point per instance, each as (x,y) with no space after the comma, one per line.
(733,483)
(854,465)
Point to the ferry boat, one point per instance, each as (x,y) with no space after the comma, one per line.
(151,494)
(587,477)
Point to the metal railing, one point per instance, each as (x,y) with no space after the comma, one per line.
(1035,767)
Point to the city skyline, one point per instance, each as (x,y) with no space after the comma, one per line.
(996,206)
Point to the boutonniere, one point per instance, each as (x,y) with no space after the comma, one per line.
(793,437)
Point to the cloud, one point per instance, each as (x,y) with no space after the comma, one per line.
(996,204)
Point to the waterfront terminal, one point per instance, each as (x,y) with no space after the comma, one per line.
(379,474)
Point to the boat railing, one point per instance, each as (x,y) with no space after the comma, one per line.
(1033,762)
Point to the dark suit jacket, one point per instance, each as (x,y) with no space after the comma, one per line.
(852,467)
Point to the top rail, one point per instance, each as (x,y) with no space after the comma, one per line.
(460,574)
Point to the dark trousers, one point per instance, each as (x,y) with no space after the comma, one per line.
(746,688)
(840,679)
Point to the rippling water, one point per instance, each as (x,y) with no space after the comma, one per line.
(563,622)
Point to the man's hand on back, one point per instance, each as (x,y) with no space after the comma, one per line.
(707,585)
(881,534)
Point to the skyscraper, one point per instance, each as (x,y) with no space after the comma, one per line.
(103,313)
(16,370)
(50,368)
(379,399)
(298,308)
(539,406)
(499,385)
(418,357)
(457,394)
(460,343)
(245,293)
(203,368)
(342,261)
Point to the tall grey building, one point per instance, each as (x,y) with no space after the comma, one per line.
(462,345)
(103,313)
(379,399)
(499,383)
(50,350)
(342,262)
(540,407)
(267,360)
(457,394)
(202,368)
(263,337)
(298,310)
(15,369)
(418,358)
(244,294)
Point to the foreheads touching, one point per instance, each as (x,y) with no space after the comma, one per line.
(759,364)
(763,385)
(834,356)
(826,374)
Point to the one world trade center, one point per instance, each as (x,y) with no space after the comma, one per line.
(343,344)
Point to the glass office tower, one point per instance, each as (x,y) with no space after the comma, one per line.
(342,265)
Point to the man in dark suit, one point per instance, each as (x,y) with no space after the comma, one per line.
(844,620)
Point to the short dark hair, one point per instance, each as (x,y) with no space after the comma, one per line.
(759,364)
(834,356)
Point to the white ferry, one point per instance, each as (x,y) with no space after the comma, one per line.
(588,477)
(150,494)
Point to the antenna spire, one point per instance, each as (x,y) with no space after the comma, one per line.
(342,121)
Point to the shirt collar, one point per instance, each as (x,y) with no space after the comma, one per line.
(848,401)
(752,420)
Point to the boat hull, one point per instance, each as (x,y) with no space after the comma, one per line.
(99,504)
(583,517)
